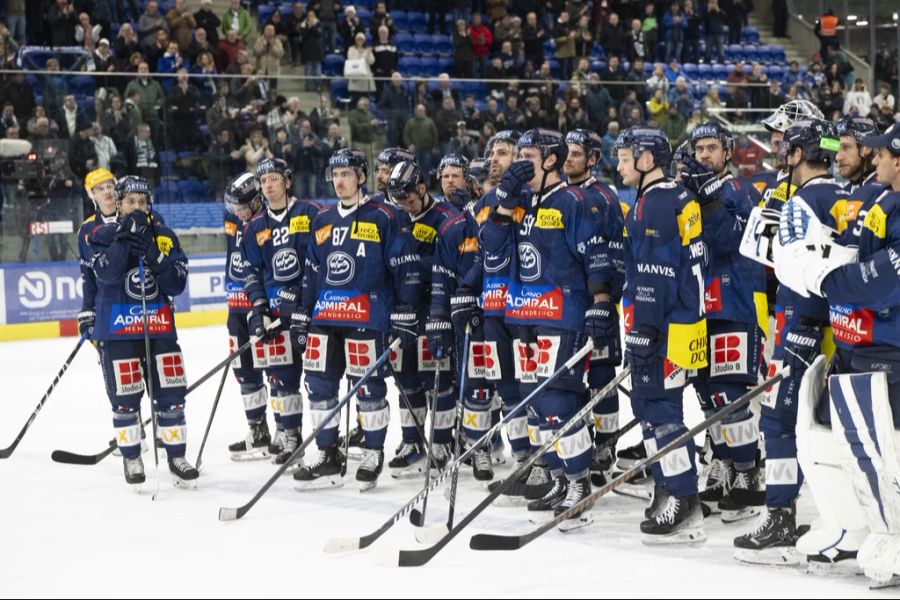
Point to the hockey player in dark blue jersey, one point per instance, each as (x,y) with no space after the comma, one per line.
(274,252)
(585,149)
(243,202)
(100,186)
(560,284)
(665,324)
(360,284)
(847,439)
(457,246)
(802,333)
(738,321)
(385,162)
(420,220)
(137,261)
(855,163)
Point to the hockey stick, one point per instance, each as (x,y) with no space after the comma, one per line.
(412,414)
(357,543)
(487,541)
(416,558)
(231,514)
(73,458)
(7,452)
(212,414)
(463,372)
(418,518)
(149,375)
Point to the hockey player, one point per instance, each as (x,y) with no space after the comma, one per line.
(737,313)
(137,261)
(853,160)
(385,162)
(274,253)
(802,333)
(243,203)
(100,186)
(584,152)
(665,324)
(560,285)
(479,171)
(455,255)
(853,471)
(361,282)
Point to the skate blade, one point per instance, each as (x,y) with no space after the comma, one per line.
(689,535)
(623,464)
(260,454)
(322,483)
(184,484)
(824,568)
(641,492)
(733,516)
(880,581)
(365,486)
(411,472)
(289,472)
(429,536)
(354,454)
(576,523)
(784,556)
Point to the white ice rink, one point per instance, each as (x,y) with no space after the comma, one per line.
(81,531)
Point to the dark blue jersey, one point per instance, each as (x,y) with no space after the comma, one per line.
(455,258)
(85,255)
(235,270)
(609,212)
(864,297)
(359,266)
(421,234)
(665,259)
(119,289)
(274,251)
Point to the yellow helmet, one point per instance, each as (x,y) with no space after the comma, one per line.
(96,177)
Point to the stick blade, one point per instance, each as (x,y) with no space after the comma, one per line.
(337,545)
(70,458)
(229,514)
(490,541)
(428,536)
(7,452)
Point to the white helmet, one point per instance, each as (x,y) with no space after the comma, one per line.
(785,115)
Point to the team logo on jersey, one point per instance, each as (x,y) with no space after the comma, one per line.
(424,233)
(529,262)
(129,376)
(133,284)
(316,352)
(494,263)
(341,268)
(170,370)
(427,361)
(854,327)
(286,265)
(359,355)
(526,361)
(236,266)
(730,354)
(165,244)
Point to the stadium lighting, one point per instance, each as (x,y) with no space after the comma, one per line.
(852,17)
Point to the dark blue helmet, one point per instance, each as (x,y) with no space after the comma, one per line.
(640,138)
(509,136)
(243,190)
(549,142)
(405,178)
(350,158)
(712,130)
(454,160)
(479,170)
(857,127)
(683,150)
(132,184)
(817,138)
(273,165)
(391,156)
(587,139)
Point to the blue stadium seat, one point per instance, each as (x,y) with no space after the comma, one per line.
(554,67)
(776,72)
(720,71)
(333,65)
(429,66)
(477,88)
(265,13)
(405,42)
(443,44)
(705,71)
(777,54)
(166,197)
(549,47)
(364,14)
(409,66)
(423,43)
(166,157)
(750,35)
(418,21)
(446,64)
(400,19)
(751,53)
(690,70)
(598,51)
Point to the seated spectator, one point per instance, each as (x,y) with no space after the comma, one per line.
(629,104)
(858,102)
(658,80)
(444,90)
(884,99)
(40,113)
(461,143)
(712,102)
(658,106)
(673,71)
(674,126)
(576,116)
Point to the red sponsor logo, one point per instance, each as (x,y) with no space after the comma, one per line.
(260,349)
(545,307)
(313,348)
(714,296)
(129,372)
(238,301)
(527,362)
(495,299)
(483,356)
(853,327)
(172,365)
(628,316)
(780,321)
(727,349)
(277,346)
(338,307)
(358,354)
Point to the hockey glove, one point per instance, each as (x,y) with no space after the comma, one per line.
(439,331)
(701,180)
(405,325)
(259,320)
(601,323)
(86,319)
(299,330)
(290,301)
(464,309)
(641,354)
(510,188)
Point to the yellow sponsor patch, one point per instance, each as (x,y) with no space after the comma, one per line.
(263,236)
(688,345)
(781,192)
(470,244)
(689,223)
(761,302)
(367,232)
(625,208)
(483,215)
(299,224)
(424,233)
(322,234)
(164,243)
(876,222)
(549,218)
(230,229)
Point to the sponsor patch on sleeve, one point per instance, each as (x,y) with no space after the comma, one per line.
(299,224)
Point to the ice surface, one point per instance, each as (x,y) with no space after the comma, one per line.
(81,531)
